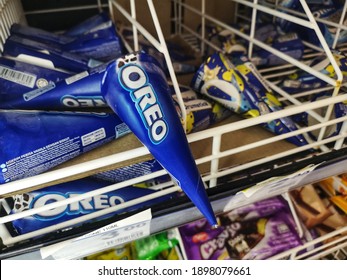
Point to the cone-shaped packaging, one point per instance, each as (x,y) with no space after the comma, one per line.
(241,89)
(135,87)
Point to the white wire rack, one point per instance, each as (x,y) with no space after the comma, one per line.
(11,11)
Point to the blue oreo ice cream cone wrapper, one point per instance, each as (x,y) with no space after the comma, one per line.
(135,87)
(242,89)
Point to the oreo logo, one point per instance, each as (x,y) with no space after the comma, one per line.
(135,80)
(83,206)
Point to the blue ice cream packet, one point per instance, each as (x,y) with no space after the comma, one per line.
(136,89)
(17,78)
(40,35)
(87,24)
(101,43)
(289,44)
(330,11)
(242,89)
(339,111)
(133,171)
(60,192)
(301,80)
(33,142)
(46,55)
(74,92)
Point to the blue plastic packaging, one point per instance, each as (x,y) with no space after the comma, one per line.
(102,42)
(46,55)
(40,35)
(133,171)
(87,24)
(76,92)
(289,44)
(41,197)
(135,87)
(152,117)
(241,88)
(18,78)
(301,80)
(329,11)
(339,111)
(33,142)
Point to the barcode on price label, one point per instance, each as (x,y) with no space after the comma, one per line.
(17,77)
(125,239)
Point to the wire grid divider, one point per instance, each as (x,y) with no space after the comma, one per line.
(317,248)
(310,22)
(10,12)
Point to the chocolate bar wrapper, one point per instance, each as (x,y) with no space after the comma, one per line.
(241,240)
(334,185)
(309,206)
(259,209)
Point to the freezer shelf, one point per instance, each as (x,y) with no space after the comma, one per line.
(218,161)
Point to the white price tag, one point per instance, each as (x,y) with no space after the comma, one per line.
(270,187)
(124,231)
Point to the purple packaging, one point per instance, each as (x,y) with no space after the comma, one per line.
(46,55)
(259,209)
(33,142)
(241,240)
(60,192)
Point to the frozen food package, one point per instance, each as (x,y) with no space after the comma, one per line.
(33,142)
(309,206)
(241,240)
(240,88)
(60,192)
